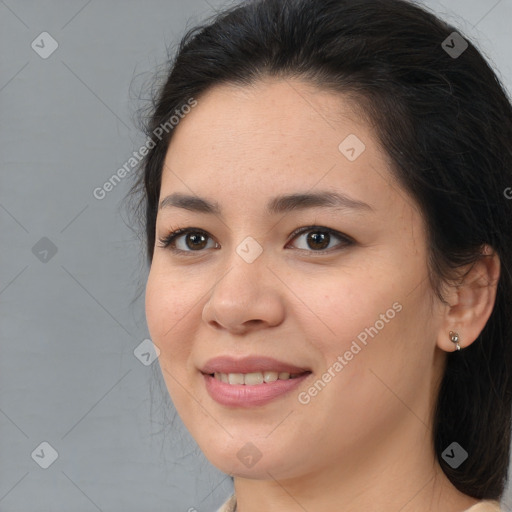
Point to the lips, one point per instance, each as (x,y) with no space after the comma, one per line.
(223,376)
(250,364)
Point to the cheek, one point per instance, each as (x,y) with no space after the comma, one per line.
(168,316)
(384,353)
(356,324)
(334,311)
(169,307)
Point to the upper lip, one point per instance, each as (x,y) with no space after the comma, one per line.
(249,364)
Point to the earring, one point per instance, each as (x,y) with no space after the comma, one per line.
(454,337)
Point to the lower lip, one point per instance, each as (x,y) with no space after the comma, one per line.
(241,395)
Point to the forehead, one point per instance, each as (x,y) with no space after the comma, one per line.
(272,138)
(281,113)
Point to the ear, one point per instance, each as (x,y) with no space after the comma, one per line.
(470,301)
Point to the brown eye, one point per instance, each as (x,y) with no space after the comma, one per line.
(319,239)
(193,240)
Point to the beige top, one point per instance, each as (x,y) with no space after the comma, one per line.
(482,506)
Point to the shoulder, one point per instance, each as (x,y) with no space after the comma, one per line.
(485,506)
(482,506)
(230,505)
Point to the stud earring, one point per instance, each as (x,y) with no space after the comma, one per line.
(454,337)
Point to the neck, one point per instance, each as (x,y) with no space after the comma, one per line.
(391,474)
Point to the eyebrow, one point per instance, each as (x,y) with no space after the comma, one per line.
(277,205)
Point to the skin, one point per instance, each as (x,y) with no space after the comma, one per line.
(366,438)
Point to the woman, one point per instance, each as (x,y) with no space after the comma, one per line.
(329,232)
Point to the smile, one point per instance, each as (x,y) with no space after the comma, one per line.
(249,381)
(253,379)
(257,392)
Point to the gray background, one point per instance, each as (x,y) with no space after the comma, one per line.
(70,321)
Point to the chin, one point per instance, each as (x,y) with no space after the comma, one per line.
(251,460)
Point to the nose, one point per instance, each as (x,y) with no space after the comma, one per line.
(247,297)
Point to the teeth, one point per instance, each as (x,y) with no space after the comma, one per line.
(252,379)
(235,378)
(270,376)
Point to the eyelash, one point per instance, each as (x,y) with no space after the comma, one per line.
(168,241)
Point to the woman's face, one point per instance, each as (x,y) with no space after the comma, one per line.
(345,301)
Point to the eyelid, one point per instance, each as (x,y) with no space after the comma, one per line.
(167,241)
(342,236)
